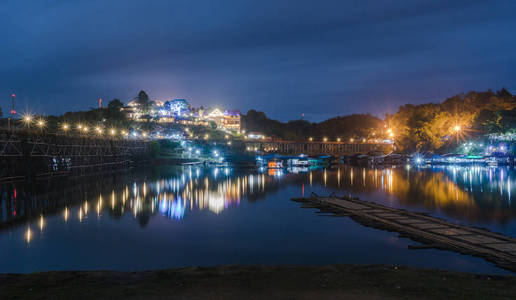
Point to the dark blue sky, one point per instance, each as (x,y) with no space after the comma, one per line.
(321,58)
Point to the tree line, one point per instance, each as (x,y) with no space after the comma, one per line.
(344,127)
(423,127)
(437,126)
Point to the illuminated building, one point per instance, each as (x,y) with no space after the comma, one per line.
(231,120)
(178,107)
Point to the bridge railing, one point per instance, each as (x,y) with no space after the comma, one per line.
(26,154)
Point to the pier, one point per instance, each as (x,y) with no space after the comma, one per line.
(432,232)
(315,148)
(25,154)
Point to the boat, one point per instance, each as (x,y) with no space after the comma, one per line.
(275,164)
(298,162)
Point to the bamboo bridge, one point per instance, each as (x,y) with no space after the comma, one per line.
(25,154)
(431,231)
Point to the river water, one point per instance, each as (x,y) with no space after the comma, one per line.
(166,216)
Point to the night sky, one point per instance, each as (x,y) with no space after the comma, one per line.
(322,58)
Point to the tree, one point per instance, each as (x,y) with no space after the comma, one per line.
(144,101)
(503,93)
(430,126)
(115,105)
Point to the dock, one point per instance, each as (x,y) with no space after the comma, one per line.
(431,231)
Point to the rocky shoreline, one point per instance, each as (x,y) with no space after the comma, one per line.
(259,282)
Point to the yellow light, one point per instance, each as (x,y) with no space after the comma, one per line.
(41,223)
(28,235)
(124,133)
(85,129)
(112,131)
(65,127)
(391,134)
(389,130)
(79,126)
(41,123)
(206,136)
(144,134)
(338,139)
(226,136)
(27,119)
(351,140)
(97,129)
(325,139)
(310,139)
(457,128)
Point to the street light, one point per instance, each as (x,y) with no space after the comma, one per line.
(325,139)
(338,139)
(310,139)
(41,123)
(65,127)
(456,128)
(27,119)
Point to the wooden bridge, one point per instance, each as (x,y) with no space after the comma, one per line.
(30,154)
(314,148)
(433,232)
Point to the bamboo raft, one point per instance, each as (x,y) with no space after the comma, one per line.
(431,231)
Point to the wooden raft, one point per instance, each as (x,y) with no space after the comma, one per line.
(434,232)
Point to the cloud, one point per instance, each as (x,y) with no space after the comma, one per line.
(332,57)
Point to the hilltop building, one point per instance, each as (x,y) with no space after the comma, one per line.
(231,120)
(179,111)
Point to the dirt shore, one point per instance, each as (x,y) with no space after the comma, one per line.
(260,282)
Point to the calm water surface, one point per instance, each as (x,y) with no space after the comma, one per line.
(172,217)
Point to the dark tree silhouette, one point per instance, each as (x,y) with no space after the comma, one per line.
(115,105)
(144,101)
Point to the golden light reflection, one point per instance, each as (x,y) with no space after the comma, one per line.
(41,223)
(28,235)
(449,191)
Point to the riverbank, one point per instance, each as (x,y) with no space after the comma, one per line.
(259,282)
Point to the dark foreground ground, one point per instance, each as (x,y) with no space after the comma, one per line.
(260,282)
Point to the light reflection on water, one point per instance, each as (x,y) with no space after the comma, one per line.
(471,195)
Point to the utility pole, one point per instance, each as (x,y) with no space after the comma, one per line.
(13,112)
